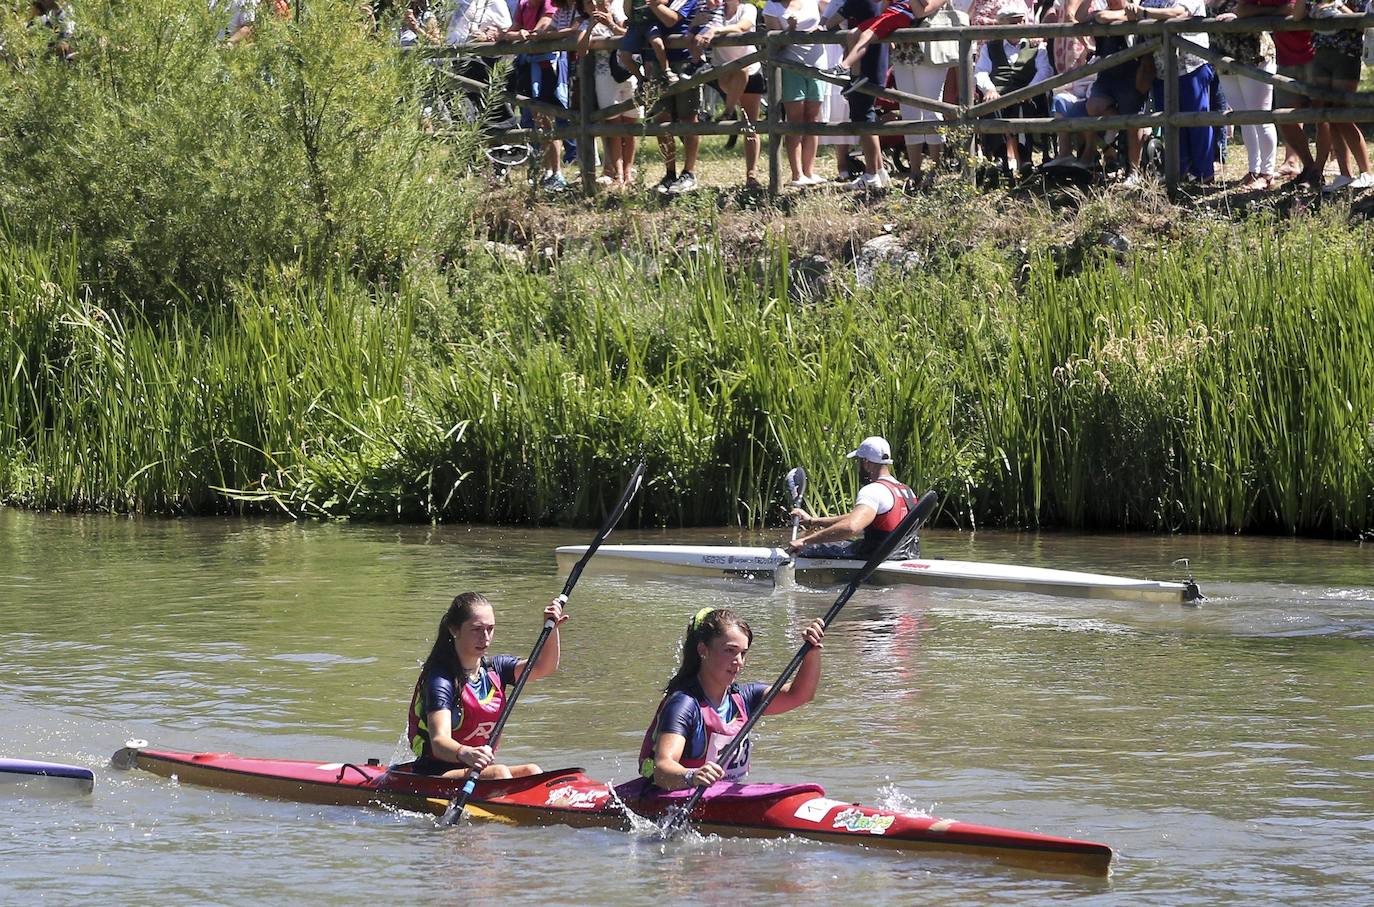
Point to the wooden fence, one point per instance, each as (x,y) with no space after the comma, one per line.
(587,123)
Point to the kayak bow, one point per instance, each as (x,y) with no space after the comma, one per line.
(570,797)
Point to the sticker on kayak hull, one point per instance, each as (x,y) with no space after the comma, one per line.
(572,798)
(854,820)
(815,810)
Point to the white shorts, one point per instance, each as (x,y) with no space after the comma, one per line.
(610,92)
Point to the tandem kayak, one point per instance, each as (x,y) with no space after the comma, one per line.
(50,774)
(761,562)
(570,797)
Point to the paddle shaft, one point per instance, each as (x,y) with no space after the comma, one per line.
(909,524)
(470,784)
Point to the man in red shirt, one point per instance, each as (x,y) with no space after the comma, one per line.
(1293,53)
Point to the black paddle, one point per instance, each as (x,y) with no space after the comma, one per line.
(909,524)
(459,803)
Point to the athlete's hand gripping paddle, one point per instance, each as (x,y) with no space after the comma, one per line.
(909,524)
(459,803)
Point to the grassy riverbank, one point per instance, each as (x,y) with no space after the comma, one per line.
(1219,384)
(248,279)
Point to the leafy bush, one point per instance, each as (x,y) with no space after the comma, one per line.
(182,164)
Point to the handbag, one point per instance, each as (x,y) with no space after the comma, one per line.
(942,53)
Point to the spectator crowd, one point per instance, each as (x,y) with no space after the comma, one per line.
(825,82)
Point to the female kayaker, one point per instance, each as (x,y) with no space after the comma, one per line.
(461,690)
(705,706)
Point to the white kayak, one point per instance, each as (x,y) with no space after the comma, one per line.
(763,563)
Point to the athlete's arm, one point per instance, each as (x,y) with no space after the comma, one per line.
(548,656)
(671,774)
(839,528)
(801,689)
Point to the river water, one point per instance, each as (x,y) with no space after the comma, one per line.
(1226,752)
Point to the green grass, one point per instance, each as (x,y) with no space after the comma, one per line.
(1216,385)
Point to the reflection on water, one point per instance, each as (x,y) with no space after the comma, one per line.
(1223,750)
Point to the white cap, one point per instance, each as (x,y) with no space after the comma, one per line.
(873,449)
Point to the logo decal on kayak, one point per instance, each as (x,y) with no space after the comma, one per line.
(854,820)
(572,798)
(815,810)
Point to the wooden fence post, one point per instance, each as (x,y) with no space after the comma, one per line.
(1170,77)
(586,142)
(966,101)
(775,139)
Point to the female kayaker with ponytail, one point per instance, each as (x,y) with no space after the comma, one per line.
(705,706)
(461,690)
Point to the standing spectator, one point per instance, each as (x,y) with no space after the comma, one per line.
(1255,49)
(1293,52)
(915,73)
(614,85)
(471,22)
(835,104)
(743,88)
(873,70)
(477,21)
(1007,66)
(542,77)
(1066,55)
(1336,64)
(801,95)
(675,17)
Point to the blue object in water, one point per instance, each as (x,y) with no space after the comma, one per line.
(82,779)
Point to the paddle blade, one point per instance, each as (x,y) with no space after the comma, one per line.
(472,812)
(631,487)
(796,484)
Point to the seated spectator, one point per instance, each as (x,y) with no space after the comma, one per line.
(1007,66)
(645,30)
(894,15)
(1255,49)
(1119,91)
(873,70)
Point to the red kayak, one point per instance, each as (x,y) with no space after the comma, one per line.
(569,797)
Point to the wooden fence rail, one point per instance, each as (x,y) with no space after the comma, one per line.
(1170,38)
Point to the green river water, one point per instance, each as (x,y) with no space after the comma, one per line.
(1226,752)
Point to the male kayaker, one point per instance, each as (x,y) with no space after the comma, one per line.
(882,503)
(461,689)
(704,706)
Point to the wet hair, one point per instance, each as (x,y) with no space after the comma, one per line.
(442,656)
(704,627)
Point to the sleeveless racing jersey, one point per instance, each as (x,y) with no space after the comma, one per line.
(717,732)
(478,706)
